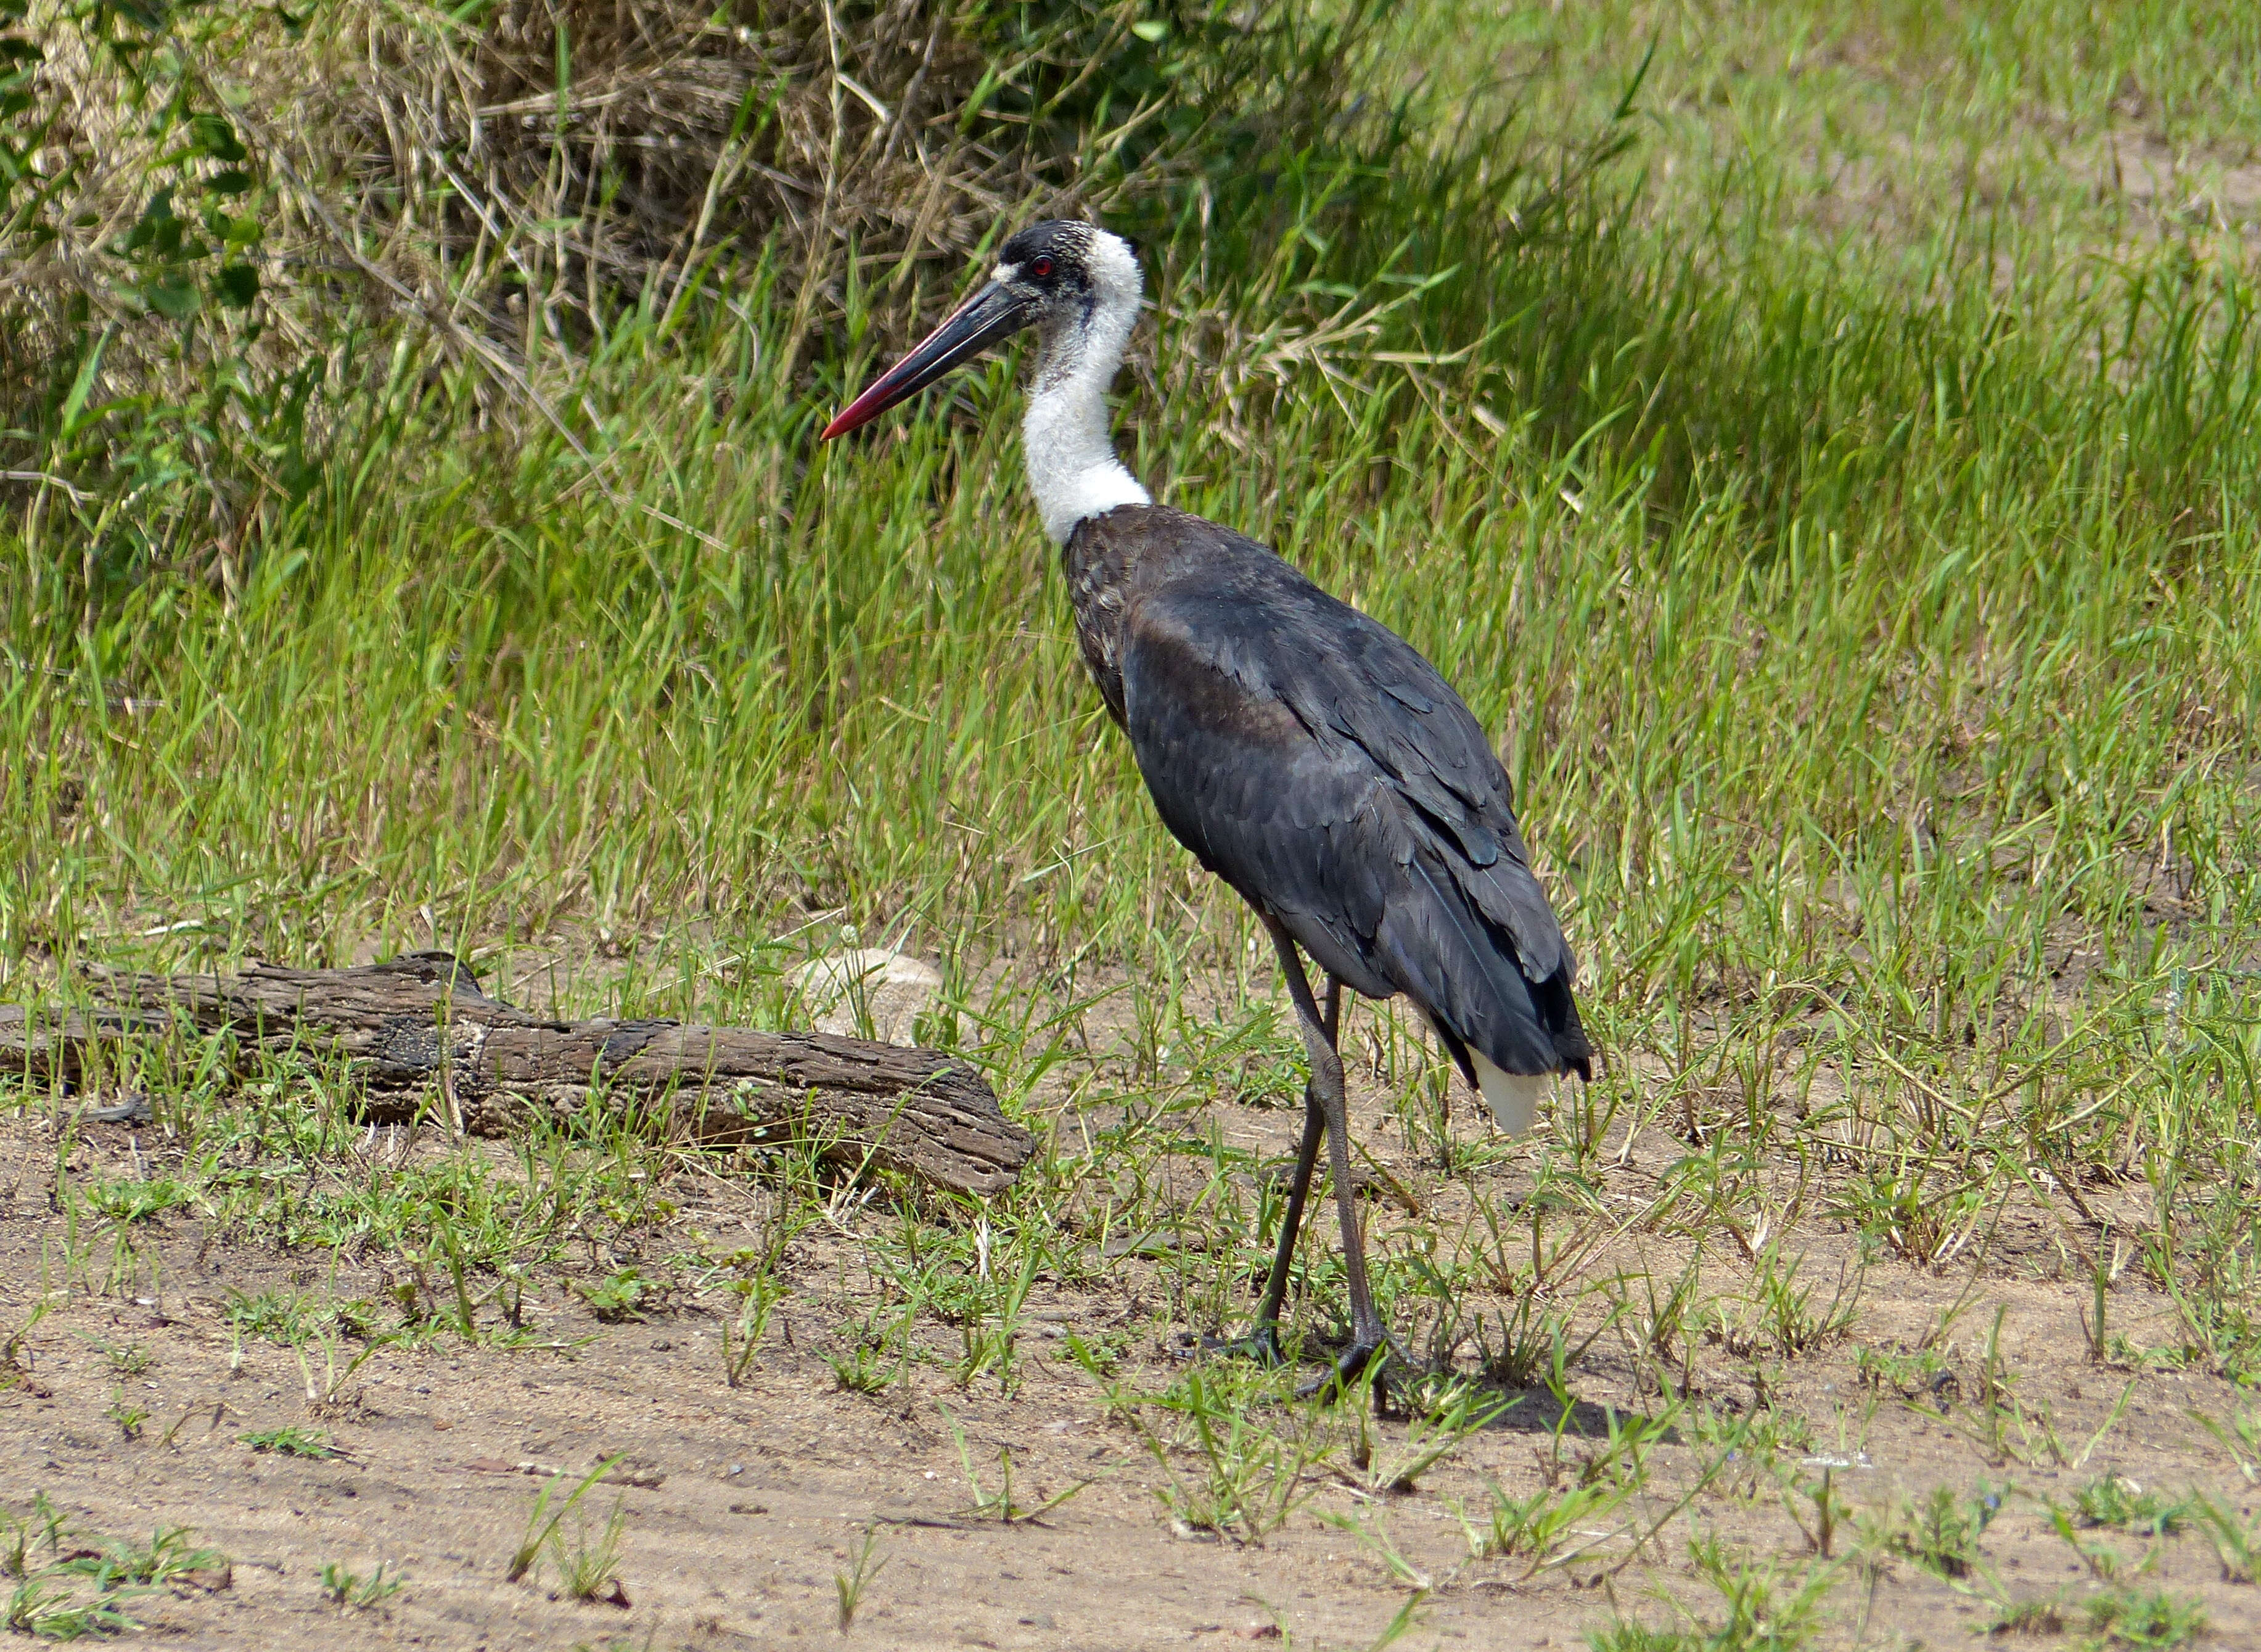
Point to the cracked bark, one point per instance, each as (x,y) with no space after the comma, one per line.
(418,1031)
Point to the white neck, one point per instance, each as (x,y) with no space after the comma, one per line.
(1064,437)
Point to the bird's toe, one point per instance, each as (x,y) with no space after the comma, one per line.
(1260,1343)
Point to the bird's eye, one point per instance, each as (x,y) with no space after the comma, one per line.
(1041,268)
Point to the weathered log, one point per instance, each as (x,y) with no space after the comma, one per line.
(419,1026)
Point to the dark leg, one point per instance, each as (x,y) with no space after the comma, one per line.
(1366,1336)
(1263,1339)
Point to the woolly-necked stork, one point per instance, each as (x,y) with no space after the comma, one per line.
(1303,752)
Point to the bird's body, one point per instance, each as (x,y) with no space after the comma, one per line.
(1303,752)
(1310,758)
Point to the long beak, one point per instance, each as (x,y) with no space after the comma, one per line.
(987,316)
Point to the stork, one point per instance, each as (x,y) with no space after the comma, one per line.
(1304,753)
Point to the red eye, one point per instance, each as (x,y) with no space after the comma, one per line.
(1041,268)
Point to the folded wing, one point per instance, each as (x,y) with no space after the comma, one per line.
(1314,760)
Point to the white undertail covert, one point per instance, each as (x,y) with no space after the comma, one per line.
(1064,436)
(1513,1097)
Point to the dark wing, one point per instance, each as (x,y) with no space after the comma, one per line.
(1311,758)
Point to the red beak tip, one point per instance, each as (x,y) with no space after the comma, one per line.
(854,416)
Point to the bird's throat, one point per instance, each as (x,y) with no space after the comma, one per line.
(1070,452)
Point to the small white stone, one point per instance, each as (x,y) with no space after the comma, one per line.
(894,989)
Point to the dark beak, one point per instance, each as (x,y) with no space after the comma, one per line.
(990,314)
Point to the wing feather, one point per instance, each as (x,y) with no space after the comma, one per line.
(1313,759)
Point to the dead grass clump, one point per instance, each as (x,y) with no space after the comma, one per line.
(505,173)
(217,219)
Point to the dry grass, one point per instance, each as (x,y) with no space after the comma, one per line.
(222,226)
(512,176)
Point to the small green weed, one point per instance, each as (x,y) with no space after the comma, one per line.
(353,1592)
(289,1440)
(1624,1636)
(588,1563)
(741,1333)
(1536,1525)
(325,1388)
(1909,1372)
(1448,1417)
(55,1612)
(2040,1614)
(293,1317)
(2146,1618)
(1940,1533)
(82,1592)
(2240,1435)
(2237,1539)
(129,1202)
(1778,1315)
(863,1369)
(848,1586)
(126,1360)
(1769,1608)
(1368,1527)
(880,1351)
(1246,1481)
(15,1354)
(169,1554)
(998,1504)
(620,1296)
(21,1535)
(2125,1505)
(542,1522)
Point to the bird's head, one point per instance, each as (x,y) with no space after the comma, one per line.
(1057,276)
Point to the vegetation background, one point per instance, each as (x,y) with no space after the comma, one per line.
(1820,440)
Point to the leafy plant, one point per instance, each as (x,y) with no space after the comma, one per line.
(1940,1533)
(353,1592)
(55,1612)
(879,1352)
(999,1503)
(1538,1525)
(620,1296)
(2038,1614)
(1367,1527)
(2115,1501)
(2147,1618)
(848,1586)
(130,1359)
(1440,1421)
(742,1337)
(289,1440)
(587,1564)
(541,1521)
(2236,1541)
(1245,1480)
(1779,1315)
(1767,1608)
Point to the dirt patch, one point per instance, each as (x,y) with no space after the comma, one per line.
(742,1509)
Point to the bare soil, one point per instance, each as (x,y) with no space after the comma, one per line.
(743,1507)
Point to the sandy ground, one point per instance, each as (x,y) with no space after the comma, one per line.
(741,1507)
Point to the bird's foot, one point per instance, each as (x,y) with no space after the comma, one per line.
(1364,1358)
(1260,1343)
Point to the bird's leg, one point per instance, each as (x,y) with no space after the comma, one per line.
(1366,1336)
(1263,1338)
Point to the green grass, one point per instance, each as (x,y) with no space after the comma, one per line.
(353,1592)
(1842,507)
(290,1441)
(2146,1618)
(61,1581)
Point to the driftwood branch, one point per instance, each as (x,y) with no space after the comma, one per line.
(418,1027)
